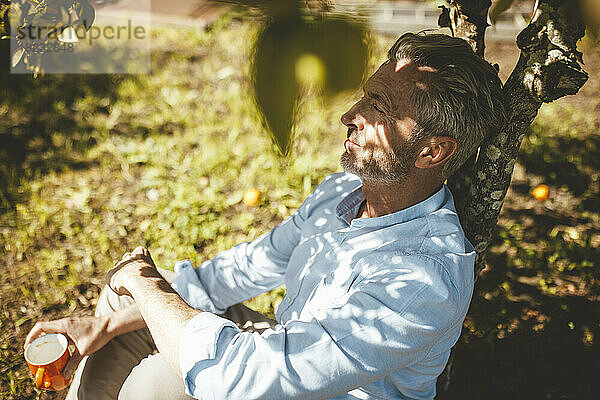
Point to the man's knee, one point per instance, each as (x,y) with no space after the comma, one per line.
(109,301)
(153,379)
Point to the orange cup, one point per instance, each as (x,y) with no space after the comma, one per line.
(46,357)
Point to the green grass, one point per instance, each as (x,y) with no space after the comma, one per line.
(162,160)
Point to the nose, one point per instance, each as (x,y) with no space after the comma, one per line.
(352,119)
(347,118)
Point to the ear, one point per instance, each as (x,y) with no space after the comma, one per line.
(435,151)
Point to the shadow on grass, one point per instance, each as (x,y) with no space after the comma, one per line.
(542,358)
(41,131)
(523,343)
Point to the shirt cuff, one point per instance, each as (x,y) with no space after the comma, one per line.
(198,345)
(188,285)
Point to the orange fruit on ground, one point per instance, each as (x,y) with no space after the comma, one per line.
(252,197)
(541,192)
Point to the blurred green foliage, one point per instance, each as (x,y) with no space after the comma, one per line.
(338,55)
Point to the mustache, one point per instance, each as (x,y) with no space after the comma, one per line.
(353,136)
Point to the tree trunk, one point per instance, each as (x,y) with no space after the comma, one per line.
(548,68)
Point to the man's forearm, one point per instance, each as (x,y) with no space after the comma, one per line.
(125,320)
(163,310)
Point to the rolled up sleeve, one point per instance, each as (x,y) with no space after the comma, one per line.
(189,286)
(198,346)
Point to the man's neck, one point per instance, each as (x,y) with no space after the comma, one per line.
(383,199)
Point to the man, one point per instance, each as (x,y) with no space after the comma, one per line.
(378,272)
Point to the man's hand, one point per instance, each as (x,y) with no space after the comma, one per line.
(163,310)
(88,334)
(130,265)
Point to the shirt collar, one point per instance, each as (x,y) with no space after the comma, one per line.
(348,207)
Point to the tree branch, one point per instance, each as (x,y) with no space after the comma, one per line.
(467,19)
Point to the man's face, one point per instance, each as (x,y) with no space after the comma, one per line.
(380,145)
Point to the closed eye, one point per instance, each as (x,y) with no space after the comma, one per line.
(373,99)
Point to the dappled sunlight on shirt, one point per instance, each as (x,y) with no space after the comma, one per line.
(371,310)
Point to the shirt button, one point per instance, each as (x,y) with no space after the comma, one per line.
(287,300)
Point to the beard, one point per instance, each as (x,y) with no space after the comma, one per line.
(381,166)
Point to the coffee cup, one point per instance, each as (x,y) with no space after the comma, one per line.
(46,357)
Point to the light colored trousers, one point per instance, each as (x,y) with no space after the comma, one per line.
(129,366)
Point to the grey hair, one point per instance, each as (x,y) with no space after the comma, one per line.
(462,99)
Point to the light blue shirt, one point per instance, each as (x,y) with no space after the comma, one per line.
(372,305)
